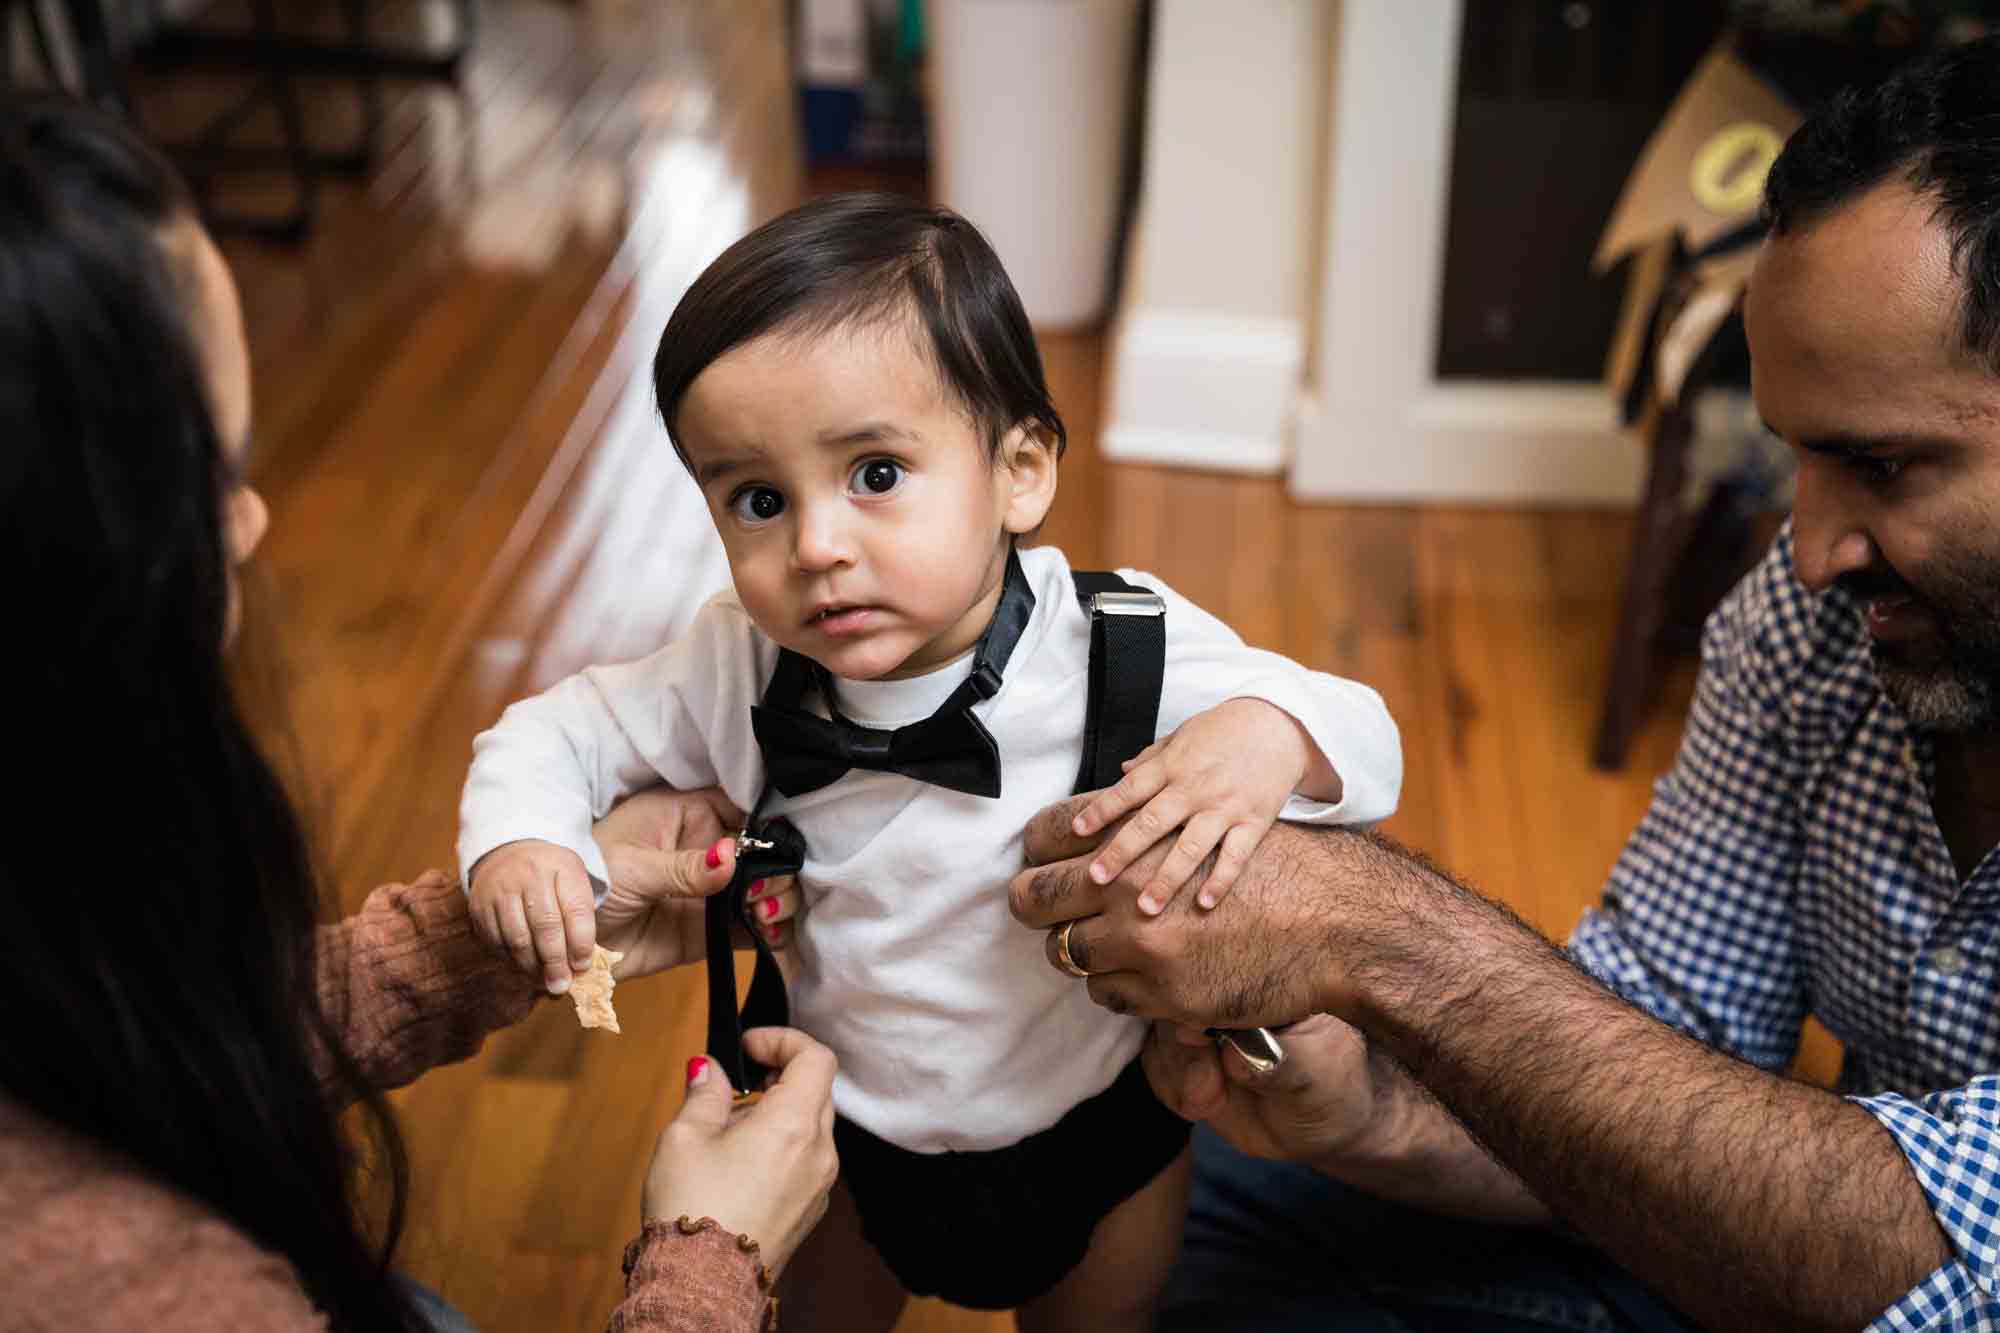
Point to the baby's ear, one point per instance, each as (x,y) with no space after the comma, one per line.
(1028,459)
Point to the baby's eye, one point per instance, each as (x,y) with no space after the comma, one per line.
(878,476)
(756,504)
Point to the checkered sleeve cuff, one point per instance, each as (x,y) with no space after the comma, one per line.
(1952,1140)
(1948,1301)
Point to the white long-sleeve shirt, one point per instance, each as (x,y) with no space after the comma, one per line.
(952,1031)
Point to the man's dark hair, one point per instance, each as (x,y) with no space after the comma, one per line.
(859,258)
(1937,123)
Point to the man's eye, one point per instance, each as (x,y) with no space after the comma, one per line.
(878,476)
(1879,471)
(756,504)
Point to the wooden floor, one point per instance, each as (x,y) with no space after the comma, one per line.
(470,497)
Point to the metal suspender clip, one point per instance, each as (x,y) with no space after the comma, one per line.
(1128,604)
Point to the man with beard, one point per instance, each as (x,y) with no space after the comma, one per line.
(1823,845)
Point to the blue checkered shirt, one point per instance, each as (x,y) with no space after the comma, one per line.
(1791,864)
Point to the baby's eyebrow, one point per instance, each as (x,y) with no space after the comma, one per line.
(866,433)
(715,469)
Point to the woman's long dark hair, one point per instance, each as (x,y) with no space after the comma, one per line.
(157,899)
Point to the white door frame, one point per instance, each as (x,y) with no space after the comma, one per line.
(1381,426)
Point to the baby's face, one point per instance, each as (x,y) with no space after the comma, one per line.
(865,526)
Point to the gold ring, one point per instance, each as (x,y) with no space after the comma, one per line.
(1063,959)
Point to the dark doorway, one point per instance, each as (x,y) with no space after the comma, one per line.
(1555,101)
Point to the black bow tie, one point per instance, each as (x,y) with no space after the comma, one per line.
(951,748)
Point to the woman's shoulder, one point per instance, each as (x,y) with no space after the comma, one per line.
(89,1242)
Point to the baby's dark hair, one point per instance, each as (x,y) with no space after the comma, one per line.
(869,258)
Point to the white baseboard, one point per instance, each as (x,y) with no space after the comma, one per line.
(1261,456)
(1472,443)
(1204,389)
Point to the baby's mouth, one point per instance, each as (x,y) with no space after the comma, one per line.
(839,618)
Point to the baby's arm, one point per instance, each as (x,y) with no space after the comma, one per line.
(539,778)
(1259,738)
(559,761)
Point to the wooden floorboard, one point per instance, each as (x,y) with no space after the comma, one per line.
(472,496)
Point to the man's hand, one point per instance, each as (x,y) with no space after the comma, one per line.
(1342,1106)
(1318,1103)
(657,846)
(1271,953)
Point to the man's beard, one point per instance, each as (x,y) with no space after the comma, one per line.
(1943,698)
(1956,687)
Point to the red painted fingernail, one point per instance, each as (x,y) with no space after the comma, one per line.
(695,1066)
(715,853)
(756,888)
(770,907)
(772,933)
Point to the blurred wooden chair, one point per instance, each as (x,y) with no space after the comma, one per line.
(1688,217)
(1683,322)
(26,17)
(276,56)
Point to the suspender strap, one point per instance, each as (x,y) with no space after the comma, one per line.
(725,1025)
(1128,660)
(775,848)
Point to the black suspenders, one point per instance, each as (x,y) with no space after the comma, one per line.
(775,848)
(1128,661)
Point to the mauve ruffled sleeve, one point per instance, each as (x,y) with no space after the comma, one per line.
(700,1281)
(408,986)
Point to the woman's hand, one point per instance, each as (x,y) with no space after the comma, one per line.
(764,1171)
(658,846)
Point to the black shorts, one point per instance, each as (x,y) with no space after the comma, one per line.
(993,1230)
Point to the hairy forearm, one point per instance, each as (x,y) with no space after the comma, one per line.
(1750,1200)
(1417,1153)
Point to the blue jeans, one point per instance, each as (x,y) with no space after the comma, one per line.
(440,1315)
(1278,1248)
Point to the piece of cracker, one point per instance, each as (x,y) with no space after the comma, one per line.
(591,990)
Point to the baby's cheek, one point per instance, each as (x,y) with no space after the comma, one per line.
(948,565)
(761,589)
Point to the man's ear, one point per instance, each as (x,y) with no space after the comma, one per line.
(1029,464)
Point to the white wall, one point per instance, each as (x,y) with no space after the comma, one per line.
(1282,296)
(1209,345)
(1384,427)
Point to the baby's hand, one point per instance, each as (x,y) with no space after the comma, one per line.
(533,899)
(1221,777)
